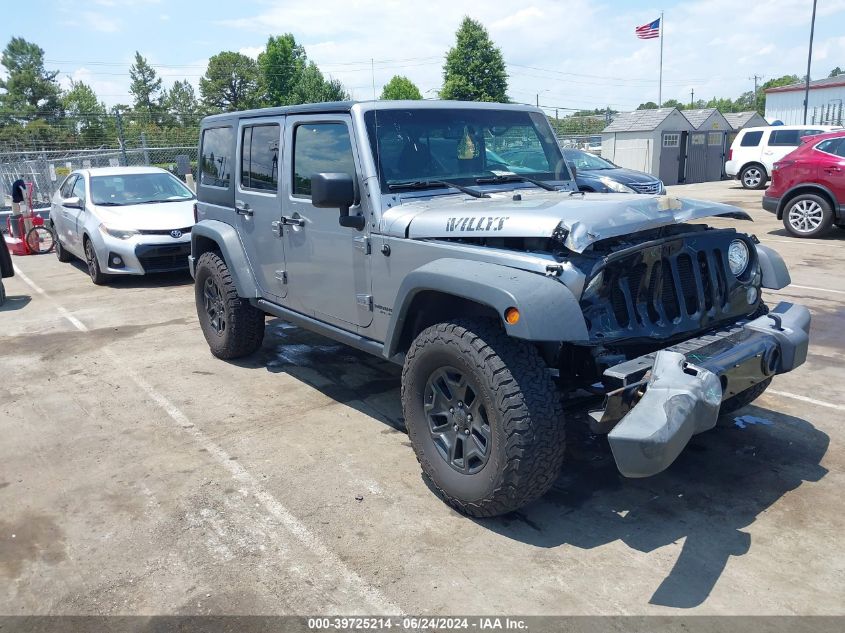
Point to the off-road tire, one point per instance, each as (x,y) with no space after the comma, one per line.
(743,398)
(522,405)
(751,174)
(816,204)
(97,276)
(61,253)
(243,330)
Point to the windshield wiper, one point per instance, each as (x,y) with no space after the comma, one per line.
(109,204)
(494,180)
(425,184)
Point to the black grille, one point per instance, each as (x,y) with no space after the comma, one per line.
(156,258)
(646,187)
(184,231)
(667,288)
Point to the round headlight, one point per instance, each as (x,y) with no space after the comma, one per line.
(738,257)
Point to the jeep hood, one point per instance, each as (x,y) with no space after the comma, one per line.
(585,218)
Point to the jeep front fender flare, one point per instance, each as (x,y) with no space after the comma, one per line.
(775,273)
(227,242)
(548,309)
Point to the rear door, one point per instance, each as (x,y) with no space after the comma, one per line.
(258,201)
(830,158)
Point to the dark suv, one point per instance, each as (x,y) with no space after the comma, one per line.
(808,186)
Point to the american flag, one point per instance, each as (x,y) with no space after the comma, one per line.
(648,31)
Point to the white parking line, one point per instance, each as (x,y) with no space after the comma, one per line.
(795,396)
(329,561)
(802,243)
(815,288)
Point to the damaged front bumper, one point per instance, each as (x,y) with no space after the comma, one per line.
(657,402)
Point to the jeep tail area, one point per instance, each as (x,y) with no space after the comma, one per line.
(410,230)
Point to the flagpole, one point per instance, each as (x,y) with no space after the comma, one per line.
(660,80)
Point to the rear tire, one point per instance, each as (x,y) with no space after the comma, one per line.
(232,327)
(61,254)
(753,177)
(483,415)
(807,215)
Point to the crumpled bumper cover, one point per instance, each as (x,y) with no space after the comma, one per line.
(683,386)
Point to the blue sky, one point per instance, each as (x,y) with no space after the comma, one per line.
(574,53)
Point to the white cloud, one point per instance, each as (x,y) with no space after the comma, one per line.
(576,53)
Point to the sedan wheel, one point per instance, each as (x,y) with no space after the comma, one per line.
(94,271)
(808,216)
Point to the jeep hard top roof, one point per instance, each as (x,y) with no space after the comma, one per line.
(338,107)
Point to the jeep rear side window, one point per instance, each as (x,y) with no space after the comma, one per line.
(216,160)
(260,157)
(751,139)
(320,148)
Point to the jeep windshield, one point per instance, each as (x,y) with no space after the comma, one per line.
(120,190)
(463,146)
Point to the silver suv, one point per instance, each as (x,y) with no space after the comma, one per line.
(401,229)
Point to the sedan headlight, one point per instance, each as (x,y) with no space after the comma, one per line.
(613,185)
(738,257)
(121,234)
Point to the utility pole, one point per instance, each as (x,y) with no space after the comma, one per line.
(121,140)
(692,98)
(756,78)
(809,62)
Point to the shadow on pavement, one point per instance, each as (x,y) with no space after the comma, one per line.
(832,235)
(15,302)
(150,280)
(719,485)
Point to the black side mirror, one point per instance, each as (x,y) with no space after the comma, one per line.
(572,168)
(336,191)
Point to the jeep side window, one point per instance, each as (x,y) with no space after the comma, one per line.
(216,159)
(260,157)
(318,148)
(751,139)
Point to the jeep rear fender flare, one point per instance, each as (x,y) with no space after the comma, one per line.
(548,310)
(225,238)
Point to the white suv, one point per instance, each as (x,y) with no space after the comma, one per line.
(756,149)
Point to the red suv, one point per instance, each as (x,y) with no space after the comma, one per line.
(808,186)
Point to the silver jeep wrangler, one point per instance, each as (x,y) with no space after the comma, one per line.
(450,238)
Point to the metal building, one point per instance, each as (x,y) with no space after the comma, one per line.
(652,141)
(706,145)
(824,105)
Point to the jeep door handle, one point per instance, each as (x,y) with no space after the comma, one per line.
(292,221)
(242,208)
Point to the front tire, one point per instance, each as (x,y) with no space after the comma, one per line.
(483,415)
(753,177)
(97,276)
(232,327)
(808,215)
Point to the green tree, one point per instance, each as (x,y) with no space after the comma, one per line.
(85,115)
(785,80)
(145,86)
(231,82)
(312,87)
(281,66)
(29,88)
(648,105)
(400,87)
(835,72)
(181,102)
(673,103)
(474,69)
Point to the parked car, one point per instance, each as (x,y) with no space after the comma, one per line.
(593,173)
(123,221)
(756,149)
(808,186)
(384,225)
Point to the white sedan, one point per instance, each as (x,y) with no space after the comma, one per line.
(123,221)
